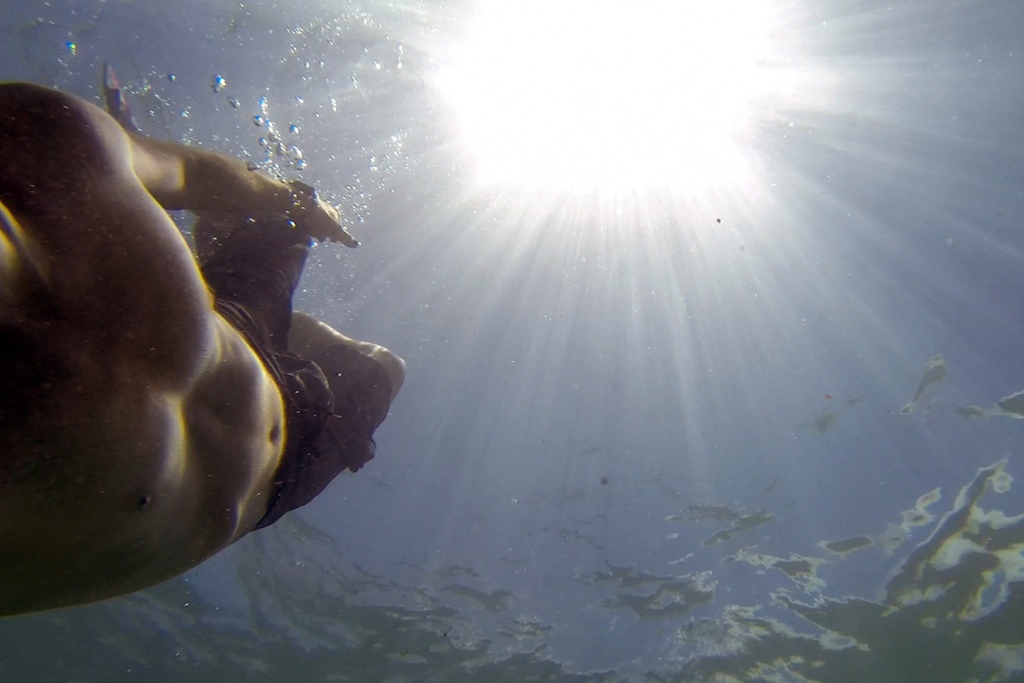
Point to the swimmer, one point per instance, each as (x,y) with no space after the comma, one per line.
(156,408)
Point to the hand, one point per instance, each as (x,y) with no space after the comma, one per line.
(315,217)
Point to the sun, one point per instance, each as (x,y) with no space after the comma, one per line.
(607,93)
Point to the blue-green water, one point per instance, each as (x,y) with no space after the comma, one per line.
(749,431)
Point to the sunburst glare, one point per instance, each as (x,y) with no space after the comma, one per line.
(611,94)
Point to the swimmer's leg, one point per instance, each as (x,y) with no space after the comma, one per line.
(364,379)
(314,339)
(258,266)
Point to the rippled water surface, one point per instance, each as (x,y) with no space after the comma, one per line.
(712,324)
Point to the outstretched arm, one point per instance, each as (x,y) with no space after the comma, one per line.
(180,177)
(183,177)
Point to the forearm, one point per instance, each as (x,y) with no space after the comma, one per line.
(182,177)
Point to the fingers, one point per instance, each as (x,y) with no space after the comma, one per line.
(324,223)
(347,239)
(339,233)
(343,235)
(330,217)
(319,219)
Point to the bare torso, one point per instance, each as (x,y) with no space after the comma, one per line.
(139,431)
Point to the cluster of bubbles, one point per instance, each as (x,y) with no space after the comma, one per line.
(277,150)
(276,147)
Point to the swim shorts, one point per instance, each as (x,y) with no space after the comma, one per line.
(330,412)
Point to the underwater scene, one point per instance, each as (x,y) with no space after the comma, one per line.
(712,335)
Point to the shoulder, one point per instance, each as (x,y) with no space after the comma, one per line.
(62,135)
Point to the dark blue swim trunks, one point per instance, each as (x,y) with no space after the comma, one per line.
(253,273)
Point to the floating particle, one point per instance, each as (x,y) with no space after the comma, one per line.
(848,545)
(934,371)
(794,568)
(233,101)
(970,411)
(71,47)
(926,500)
(1013,404)
(218,83)
(1001,481)
(1010,406)
(918,516)
(823,423)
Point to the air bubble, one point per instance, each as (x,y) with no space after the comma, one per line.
(218,83)
(293,129)
(234,102)
(300,164)
(258,120)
